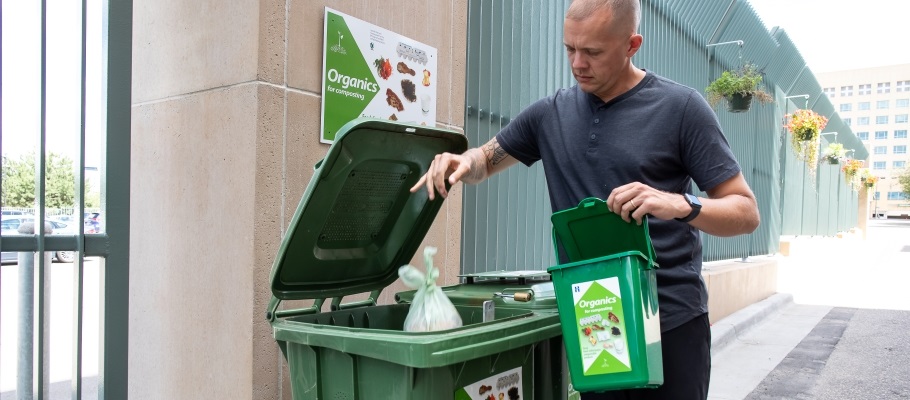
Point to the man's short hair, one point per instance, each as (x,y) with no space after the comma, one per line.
(627,11)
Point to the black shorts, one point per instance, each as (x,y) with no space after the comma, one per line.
(686,352)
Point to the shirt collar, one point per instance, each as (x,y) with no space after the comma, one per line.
(595,102)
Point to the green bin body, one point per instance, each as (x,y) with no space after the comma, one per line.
(607,299)
(356,224)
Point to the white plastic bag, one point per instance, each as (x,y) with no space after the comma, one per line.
(430,310)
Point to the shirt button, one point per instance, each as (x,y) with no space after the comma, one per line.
(593,136)
(596,120)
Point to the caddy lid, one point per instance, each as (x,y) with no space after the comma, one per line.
(591,230)
(357,222)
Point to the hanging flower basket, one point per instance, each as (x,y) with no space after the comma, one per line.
(834,153)
(804,127)
(868,179)
(738,102)
(738,87)
(851,169)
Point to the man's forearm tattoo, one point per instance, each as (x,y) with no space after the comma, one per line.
(494,153)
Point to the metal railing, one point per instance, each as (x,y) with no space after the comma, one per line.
(34,320)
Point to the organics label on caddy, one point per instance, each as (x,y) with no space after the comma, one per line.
(602,334)
(369,71)
(504,386)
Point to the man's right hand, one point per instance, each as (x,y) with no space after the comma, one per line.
(472,166)
(445,166)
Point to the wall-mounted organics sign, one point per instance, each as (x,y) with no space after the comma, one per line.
(369,71)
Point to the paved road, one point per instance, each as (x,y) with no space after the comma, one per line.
(850,354)
(61,329)
(844,336)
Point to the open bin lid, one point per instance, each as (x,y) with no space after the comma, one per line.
(357,222)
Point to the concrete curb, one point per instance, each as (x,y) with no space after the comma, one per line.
(725,331)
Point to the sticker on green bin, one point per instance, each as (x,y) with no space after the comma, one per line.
(505,386)
(601,327)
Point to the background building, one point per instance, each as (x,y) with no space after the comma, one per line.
(875,103)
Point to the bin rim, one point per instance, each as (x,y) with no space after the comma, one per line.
(425,349)
(649,264)
(307,264)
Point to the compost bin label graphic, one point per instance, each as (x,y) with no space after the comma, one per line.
(504,386)
(369,71)
(602,333)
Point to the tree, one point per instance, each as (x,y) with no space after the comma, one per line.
(904,179)
(19,181)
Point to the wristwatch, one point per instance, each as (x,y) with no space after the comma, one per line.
(696,208)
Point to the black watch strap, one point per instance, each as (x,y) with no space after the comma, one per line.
(696,207)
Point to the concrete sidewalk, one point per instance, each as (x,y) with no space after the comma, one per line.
(820,274)
(749,344)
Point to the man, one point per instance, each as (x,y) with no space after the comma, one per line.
(638,140)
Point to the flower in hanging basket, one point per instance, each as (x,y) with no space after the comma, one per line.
(738,87)
(851,167)
(868,179)
(806,124)
(834,153)
(804,127)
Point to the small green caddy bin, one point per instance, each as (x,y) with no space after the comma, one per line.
(607,299)
(356,224)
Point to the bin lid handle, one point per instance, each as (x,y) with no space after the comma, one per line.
(369,302)
(270,311)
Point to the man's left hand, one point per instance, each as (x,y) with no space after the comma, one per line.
(635,200)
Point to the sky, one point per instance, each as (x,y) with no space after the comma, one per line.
(842,35)
(21,94)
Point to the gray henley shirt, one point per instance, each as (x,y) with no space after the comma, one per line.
(660,133)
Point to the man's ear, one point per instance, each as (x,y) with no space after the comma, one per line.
(635,42)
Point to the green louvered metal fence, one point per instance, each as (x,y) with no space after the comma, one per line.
(516,56)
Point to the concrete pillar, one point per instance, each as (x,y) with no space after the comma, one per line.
(226,119)
(863,213)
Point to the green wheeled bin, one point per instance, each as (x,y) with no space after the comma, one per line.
(356,224)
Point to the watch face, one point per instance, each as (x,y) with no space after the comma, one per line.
(693,200)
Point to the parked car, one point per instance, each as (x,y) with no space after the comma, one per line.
(10,226)
(92,223)
(14,212)
(65,218)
